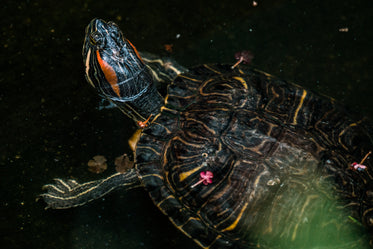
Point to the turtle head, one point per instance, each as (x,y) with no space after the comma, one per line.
(114,67)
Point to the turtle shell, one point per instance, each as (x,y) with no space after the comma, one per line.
(255,133)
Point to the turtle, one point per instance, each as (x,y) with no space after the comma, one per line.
(224,146)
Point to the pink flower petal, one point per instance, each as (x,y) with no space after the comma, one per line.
(209,174)
(246,56)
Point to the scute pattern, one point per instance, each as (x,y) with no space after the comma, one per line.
(252,131)
(247,124)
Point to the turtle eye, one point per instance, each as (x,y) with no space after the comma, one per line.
(96,38)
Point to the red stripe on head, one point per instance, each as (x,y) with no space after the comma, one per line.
(134,48)
(109,73)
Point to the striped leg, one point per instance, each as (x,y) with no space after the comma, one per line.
(67,194)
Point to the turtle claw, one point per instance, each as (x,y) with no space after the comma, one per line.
(60,186)
(58,193)
(64,186)
(72,183)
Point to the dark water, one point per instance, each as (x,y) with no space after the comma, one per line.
(51,125)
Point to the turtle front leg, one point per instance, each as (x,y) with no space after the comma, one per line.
(68,194)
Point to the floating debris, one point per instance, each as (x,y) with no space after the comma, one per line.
(205,178)
(243,56)
(359,166)
(97,164)
(123,163)
(143,124)
(168,47)
(345,29)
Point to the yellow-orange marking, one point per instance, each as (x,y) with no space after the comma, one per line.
(299,106)
(234,224)
(184,175)
(241,80)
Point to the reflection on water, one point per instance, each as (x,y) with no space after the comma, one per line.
(306,213)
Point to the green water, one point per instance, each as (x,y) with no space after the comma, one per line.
(51,125)
(311,219)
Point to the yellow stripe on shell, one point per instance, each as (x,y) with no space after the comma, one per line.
(184,175)
(234,224)
(185,77)
(304,94)
(240,79)
(211,69)
(344,130)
